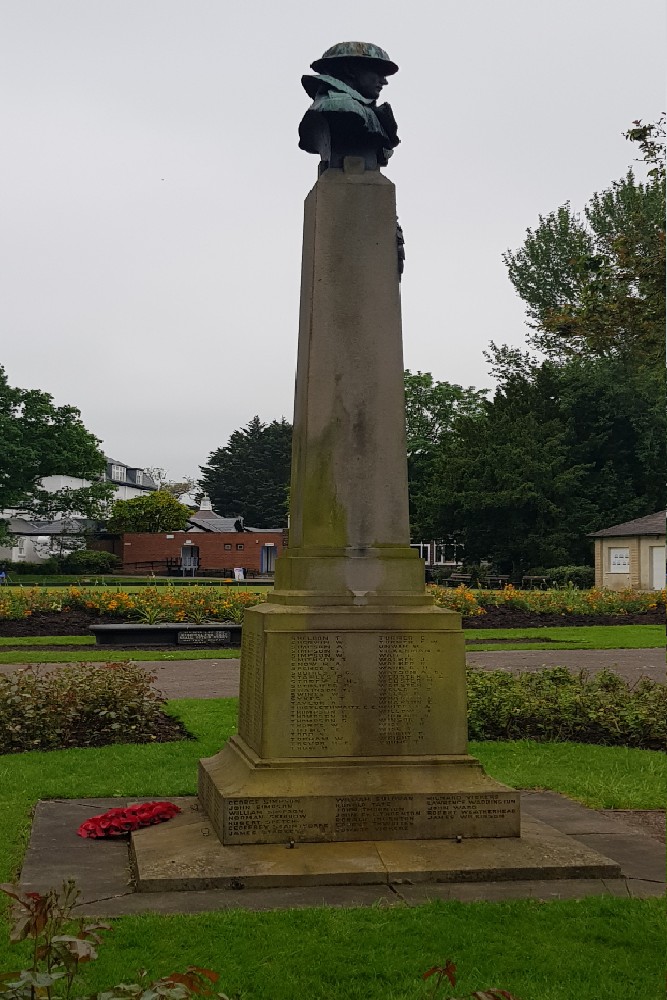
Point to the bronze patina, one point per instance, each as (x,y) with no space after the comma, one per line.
(344,118)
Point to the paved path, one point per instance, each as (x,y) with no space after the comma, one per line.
(220,678)
(631,664)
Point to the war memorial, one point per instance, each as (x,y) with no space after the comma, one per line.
(351,764)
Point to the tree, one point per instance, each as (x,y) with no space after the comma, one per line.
(594,286)
(39,439)
(249,477)
(565,448)
(177,487)
(432,411)
(155,512)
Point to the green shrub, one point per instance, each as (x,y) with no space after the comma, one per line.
(79,705)
(557,705)
(46,568)
(582,577)
(89,561)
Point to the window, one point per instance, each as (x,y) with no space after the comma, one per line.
(239,546)
(227,547)
(619,560)
(138,477)
(118,472)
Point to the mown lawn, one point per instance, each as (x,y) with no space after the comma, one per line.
(595,949)
(584,637)
(108,654)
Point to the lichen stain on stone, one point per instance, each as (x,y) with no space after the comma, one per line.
(326,518)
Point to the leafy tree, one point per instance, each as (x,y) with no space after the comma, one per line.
(594,285)
(39,439)
(177,487)
(249,477)
(432,411)
(565,447)
(155,512)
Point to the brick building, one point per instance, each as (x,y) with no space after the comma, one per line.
(211,545)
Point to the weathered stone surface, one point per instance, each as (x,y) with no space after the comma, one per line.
(185,854)
(352,721)
(349,527)
(352,725)
(352,682)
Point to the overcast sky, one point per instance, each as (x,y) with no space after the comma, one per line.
(151,188)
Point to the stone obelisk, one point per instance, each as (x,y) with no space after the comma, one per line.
(352,722)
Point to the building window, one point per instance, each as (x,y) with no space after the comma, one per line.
(228,547)
(239,546)
(619,560)
(138,477)
(118,472)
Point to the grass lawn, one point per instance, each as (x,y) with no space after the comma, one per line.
(108,654)
(586,950)
(585,637)
(47,640)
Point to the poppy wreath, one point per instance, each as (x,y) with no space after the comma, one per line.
(118,822)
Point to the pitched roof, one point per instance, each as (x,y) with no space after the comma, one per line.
(210,521)
(651,524)
(63,526)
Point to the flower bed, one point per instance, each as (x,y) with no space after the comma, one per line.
(149,605)
(40,611)
(568,601)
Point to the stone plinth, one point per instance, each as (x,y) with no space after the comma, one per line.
(352,725)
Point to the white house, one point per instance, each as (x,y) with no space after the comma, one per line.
(34,540)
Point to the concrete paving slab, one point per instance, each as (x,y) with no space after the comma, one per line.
(566,815)
(640,856)
(185,853)
(541,852)
(545,889)
(643,889)
(300,897)
(102,871)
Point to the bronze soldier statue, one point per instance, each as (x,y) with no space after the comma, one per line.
(344,118)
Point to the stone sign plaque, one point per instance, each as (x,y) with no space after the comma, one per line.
(363,692)
(194,637)
(371,817)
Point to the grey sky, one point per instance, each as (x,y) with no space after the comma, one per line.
(151,188)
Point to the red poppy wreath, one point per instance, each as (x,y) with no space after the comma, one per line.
(118,822)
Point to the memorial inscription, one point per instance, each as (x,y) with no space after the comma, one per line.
(194,637)
(370,817)
(349,693)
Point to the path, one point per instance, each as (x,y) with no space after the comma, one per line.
(220,678)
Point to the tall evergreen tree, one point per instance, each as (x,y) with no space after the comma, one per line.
(249,477)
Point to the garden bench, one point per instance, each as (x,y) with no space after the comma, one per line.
(496,582)
(218,634)
(457,578)
(533,582)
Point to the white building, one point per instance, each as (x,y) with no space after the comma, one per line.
(35,541)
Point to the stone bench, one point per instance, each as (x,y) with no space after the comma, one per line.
(186,634)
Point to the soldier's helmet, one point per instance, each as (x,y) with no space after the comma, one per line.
(355,50)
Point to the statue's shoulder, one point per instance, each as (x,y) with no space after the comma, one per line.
(323,85)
